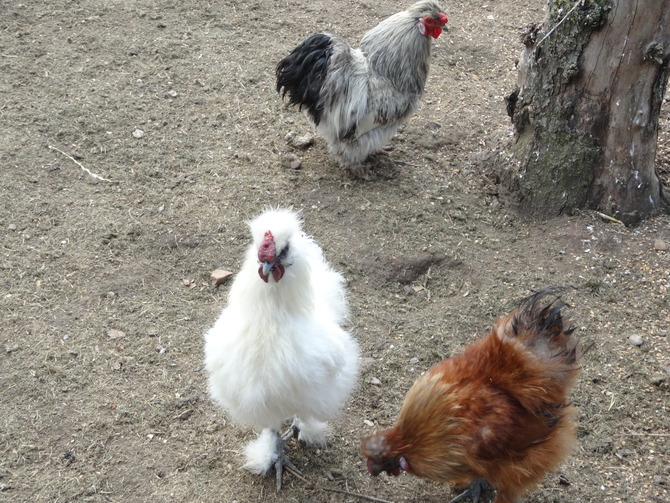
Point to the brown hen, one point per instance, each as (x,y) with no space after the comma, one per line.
(498,411)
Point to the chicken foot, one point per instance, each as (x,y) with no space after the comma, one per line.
(473,491)
(282,460)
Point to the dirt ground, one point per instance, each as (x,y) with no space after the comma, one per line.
(104,280)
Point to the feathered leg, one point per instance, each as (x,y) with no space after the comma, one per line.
(267,452)
(312,431)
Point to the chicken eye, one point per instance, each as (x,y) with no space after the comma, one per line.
(283,253)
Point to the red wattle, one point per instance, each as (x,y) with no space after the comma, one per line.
(264,277)
(277,272)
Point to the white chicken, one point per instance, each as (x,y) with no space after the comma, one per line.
(358,98)
(278,351)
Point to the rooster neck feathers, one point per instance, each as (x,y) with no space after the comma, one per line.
(398,52)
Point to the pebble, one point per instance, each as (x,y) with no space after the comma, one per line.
(660,245)
(374,381)
(659,379)
(624,453)
(563,480)
(11,227)
(299,142)
(113,333)
(414,361)
(138,133)
(296,164)
(636,340)
(220,276)
(334,473)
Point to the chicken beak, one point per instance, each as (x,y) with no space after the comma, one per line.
(267,267)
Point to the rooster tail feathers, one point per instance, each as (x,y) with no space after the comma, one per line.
(538,340)
(540,325)
(301,74)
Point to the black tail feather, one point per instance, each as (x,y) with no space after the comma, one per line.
(301,74)
(547,322)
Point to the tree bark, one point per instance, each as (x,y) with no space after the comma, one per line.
(591,83)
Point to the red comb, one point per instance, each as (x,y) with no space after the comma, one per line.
(267,250)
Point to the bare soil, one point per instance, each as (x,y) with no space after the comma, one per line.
(104,280)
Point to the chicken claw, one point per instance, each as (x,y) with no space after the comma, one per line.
(473,491)
(283,461)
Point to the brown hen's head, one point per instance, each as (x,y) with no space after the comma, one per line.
(380,456)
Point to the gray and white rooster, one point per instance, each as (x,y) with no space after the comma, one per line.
(358,98)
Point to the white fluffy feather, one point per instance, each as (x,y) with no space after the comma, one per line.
(261,453)
(278,351)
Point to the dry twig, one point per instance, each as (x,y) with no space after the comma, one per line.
(80,165)
(298,475)
(312,485)
(608,218)
(642,434)
(577,4)
(356,495)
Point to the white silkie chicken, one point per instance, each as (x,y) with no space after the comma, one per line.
(278,351)
(358,98)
